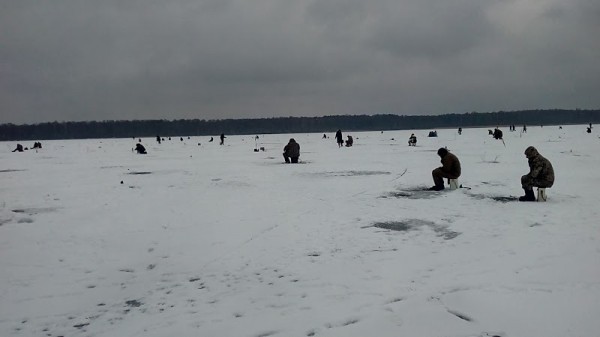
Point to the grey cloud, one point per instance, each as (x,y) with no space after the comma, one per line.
(84,60)
(430,29)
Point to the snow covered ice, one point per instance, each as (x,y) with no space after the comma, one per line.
(217,240)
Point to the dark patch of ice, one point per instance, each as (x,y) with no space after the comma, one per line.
(414,224)
(350,322)
(461,316)
(394,226)
(10,170)
(266,334)
(34,211)
(133,303)
(504,199)
(351,173)
(420,192)
(394,300)
(81,326)
(500,198)
(140,172)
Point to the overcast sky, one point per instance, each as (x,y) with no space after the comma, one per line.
(77,60)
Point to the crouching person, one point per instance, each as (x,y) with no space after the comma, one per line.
(541,174)
(291,152)
(19,148)
(450,169)
(139,148)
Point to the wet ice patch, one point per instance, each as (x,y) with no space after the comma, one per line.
(351,173)
(500,198)
(420,192)
(139,172)
(10,170)
(133,303)
(356,173)
(400,226)
(416,224)
(232,183)
(460,315)
(34,210)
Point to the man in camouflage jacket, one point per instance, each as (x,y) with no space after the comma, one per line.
(541,174)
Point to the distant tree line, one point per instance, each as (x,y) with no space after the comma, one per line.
(196,127)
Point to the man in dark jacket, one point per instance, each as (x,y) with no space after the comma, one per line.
(497,134)
(291,151)
(412,140)
(450,169)
(541,174)
(339,138)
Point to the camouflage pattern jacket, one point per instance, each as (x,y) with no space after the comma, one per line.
(540,169)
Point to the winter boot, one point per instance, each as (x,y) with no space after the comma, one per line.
(529,195)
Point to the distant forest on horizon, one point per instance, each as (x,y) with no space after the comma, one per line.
(196,127)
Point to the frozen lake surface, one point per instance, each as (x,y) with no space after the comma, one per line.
(210,240)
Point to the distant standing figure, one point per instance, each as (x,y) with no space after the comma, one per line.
(140,148)
(291,152)
(525,128)
(19,148)
(324,136)
(450,169)
(222,139)
(158,139)
(339,138)
(349,141)
(460,131)
(541,174)
(412,140)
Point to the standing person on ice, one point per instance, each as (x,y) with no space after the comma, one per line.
(541,174)
(291,151)
(339,138)
(450,169)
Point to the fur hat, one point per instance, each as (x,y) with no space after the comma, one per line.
(442,152)
(531,152)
